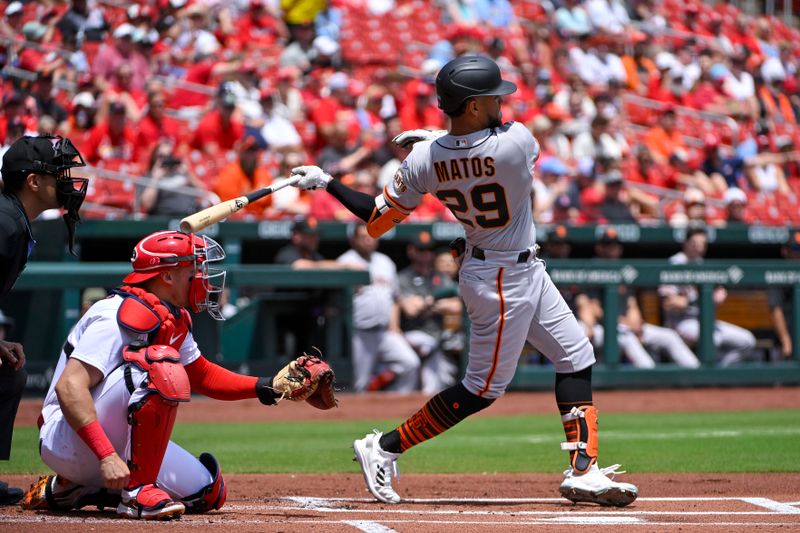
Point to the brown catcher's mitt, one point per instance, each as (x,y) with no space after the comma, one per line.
(307,378)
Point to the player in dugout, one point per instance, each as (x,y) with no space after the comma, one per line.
(482,170)
(126,365)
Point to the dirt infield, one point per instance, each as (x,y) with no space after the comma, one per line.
(471,503)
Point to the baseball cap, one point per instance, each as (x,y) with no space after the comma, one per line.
(253,139)
(558,235)
(552,165)
(84,99)
(326,46)
(306,226)
(206,44)
(123,31)
(422,241)
(226,95)
(610,235)
(338,81)
(34,30)
(734,194)
(43,154)
(718,71)
(665,61)
(13,8)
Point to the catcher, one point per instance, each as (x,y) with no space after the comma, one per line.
(124,368)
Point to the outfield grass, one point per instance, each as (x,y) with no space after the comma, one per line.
(762,441)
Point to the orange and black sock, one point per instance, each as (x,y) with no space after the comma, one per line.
(442,412)
(573,390)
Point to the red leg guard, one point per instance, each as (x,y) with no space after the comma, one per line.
(151,422)
(211,496)
(580,426)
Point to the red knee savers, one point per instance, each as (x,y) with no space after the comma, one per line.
(167,376)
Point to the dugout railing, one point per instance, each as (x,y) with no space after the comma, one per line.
(734,274)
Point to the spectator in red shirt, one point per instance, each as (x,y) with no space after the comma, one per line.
(111,145)
(121,90)
(13,16)
(648,171)
(709,93)
(257,27)
(155,126)
(667,86)
(112,142)
(80,121)
(15,108)
(204,68)
(691,22)
(220,129)
(420,111)
(30,58)
(328,109)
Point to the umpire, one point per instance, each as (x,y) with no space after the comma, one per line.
(36,177)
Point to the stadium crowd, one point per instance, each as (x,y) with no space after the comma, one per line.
(646,110)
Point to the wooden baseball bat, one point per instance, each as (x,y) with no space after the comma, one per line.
(215,213)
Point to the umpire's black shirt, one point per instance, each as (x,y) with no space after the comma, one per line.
(16,240)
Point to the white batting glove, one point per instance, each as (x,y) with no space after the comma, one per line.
(408,138)
(313,177)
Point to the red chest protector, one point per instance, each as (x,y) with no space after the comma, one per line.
(143,312)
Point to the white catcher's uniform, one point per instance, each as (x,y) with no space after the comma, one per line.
(486,178)
(97,340)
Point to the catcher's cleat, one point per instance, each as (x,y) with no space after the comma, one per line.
(148,502)
(378,466)
(50,494)
(595,487)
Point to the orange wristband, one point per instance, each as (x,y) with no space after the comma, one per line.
(96,439)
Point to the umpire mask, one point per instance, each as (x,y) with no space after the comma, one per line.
(70,191)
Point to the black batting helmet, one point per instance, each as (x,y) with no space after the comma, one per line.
(468,76)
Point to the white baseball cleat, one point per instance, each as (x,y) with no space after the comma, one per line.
(378,466)
(595,486)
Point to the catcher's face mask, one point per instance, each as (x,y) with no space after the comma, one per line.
(208,283)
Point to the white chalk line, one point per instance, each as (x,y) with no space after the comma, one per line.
(471,512)
(574,515)
(210,521)
(301,499)
(369,526)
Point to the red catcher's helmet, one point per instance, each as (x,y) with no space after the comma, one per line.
(168,250)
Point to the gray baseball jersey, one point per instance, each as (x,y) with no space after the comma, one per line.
(486,178)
